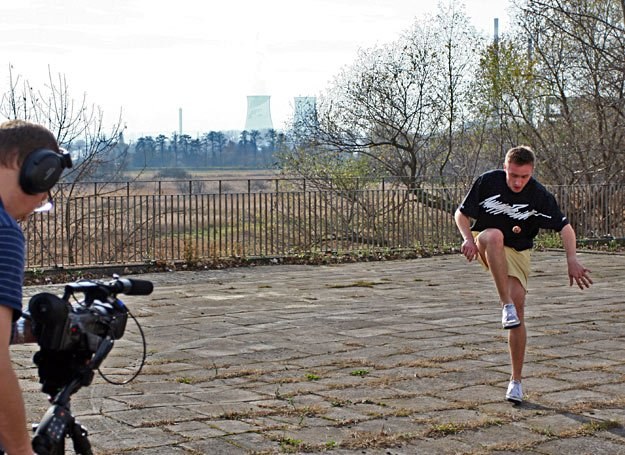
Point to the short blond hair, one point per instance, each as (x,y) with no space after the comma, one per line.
(521,155)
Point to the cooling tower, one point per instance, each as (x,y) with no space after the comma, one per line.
(258,113)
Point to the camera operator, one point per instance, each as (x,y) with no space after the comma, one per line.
(31,162)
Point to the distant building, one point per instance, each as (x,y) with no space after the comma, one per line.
(258,113)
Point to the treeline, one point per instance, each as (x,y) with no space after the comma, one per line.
(215,149)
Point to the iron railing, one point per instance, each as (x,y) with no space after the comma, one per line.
(189,221)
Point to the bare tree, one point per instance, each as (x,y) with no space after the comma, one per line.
(463,139)
(383,107)
(79,127)
(403,111)
(561,81)
(407,105)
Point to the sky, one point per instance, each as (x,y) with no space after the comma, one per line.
(150,60)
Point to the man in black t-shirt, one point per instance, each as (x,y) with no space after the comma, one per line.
(509,207)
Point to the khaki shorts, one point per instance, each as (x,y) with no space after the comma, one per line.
(518,263)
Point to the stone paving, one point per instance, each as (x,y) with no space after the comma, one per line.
(397,357)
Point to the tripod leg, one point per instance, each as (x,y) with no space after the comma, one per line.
(51,432)
(79,434)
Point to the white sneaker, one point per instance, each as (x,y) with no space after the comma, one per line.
(515,392)
(509,318)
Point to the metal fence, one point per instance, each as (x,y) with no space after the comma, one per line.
(190,221)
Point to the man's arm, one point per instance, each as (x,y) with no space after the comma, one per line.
(576,270)
(469,248)
(13,428)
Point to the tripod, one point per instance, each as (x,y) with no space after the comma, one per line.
(58,421)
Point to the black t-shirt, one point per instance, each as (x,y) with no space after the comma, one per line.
(518,215)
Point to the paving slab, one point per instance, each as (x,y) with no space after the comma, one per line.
(389,357)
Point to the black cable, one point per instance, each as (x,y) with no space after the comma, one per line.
(142,359)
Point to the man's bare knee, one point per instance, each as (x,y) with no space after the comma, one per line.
(491,236)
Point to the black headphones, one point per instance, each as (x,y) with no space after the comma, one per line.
(42,168)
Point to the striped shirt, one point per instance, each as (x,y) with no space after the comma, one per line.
(12,250)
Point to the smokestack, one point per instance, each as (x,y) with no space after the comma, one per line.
(180,120)
(496,37)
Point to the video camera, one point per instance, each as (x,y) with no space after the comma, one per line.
(59,325)
(74,338)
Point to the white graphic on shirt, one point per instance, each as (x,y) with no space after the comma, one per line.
(495,207)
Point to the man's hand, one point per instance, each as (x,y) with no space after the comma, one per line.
(469,249)
(579,274)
